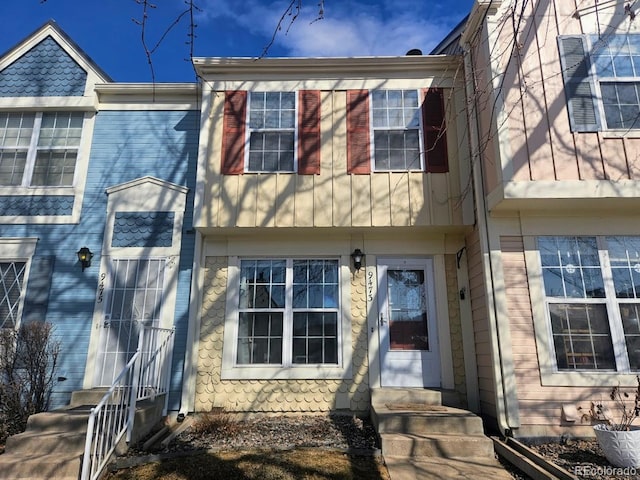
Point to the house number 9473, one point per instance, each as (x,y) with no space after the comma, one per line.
(370,286)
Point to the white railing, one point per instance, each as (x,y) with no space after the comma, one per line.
(145,376)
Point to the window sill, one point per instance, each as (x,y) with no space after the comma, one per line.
(621,133)
(24,191)
(285,373)
(584,378)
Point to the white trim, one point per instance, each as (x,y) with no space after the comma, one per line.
(549,374)
(249,131)
(373,313)
(419,128)
(142,194)
(231,371)
(187,403)
(148,96)
(44,104)
(15,249)
(94,74)
(76,190)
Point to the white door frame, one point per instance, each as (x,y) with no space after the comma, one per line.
(417,368)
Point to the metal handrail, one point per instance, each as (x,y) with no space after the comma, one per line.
(146,375)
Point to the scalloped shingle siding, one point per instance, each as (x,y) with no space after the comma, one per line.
(143,229)
(36,205)
(274,395)
(44,71)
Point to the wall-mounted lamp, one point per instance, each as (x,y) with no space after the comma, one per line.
(84,257)
(357,257)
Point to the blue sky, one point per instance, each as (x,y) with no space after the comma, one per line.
(104,29)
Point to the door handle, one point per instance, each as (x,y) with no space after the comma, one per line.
(382,320)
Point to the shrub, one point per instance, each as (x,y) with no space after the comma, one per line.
(628,408)
(28,361)
(216,421)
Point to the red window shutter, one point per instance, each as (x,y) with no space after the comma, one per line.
(435,132)
(309,132)
(358,133)
(233,135)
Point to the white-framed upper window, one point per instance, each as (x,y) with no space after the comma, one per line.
(397,138)
(288,313)
(592,297)
(616,60)
(39,149)
(272,132)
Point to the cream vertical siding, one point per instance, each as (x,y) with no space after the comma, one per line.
(274,395)
(334,198)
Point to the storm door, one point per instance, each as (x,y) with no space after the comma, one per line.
(134,298)
(409,355)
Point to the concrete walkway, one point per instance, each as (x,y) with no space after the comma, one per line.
(446,469)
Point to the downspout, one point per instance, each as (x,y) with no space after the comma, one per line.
(187,403)
(483,228)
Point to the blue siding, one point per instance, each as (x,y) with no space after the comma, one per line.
(143,229)
(36,205)
(126,145)
(44,71)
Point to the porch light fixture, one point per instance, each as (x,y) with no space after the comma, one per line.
(84,257)
(357,257)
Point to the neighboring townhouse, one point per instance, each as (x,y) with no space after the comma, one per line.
(332,205)
(87,162)
(554,259)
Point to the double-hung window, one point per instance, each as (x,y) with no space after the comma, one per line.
(602,81)
(288,313)
(396,130)
(592,295)
(617,66)
(39,149)
(272,132)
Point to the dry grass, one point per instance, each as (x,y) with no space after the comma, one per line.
(307,464)
(216,421)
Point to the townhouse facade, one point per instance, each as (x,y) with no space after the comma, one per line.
(331,211)
(100,168)
(553,95)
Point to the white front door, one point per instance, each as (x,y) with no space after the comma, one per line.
(134,298)
(409,354)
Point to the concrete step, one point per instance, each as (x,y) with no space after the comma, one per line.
(64,420)
(382,396)
(88,397)
(436,445)
(443,420)
(40,467)
(32,443)
(470,468)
